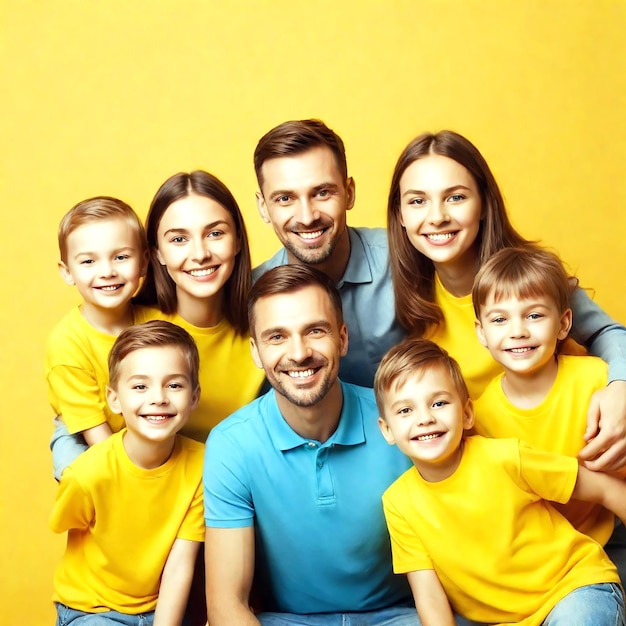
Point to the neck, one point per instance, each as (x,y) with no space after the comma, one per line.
(316,422)
(200,312)
(436,472)
(526,391)
(458,276)
(148,455)
(109,321)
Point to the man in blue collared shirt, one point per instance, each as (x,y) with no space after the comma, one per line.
(305,193)
(293,481)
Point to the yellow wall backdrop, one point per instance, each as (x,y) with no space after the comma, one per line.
(112,97)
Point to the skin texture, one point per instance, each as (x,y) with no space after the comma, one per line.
(305,199)
(197,243)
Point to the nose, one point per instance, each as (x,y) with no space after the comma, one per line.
(306,213)
(424,418)
(158,396)
(298,350)
(437,213)
(200,251)
(518,327)
(107,268)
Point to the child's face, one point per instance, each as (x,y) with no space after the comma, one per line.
(154,392)
(197,243)
(425,417)
(522,333)
(104,262)
(440,208)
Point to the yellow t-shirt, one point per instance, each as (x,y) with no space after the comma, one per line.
(457,335)
(122,522)
(228,376)
(557,425)
(501,552)
(77,373)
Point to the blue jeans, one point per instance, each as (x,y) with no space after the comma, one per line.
(593,605)
(65,447)
(67,616)
(616,549)
(392,616)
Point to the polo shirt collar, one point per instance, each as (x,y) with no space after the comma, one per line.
(358,269)
(350,431)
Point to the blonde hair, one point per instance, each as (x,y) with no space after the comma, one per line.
(97,209)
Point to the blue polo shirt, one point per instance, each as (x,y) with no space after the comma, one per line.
(368,303)
(321,539)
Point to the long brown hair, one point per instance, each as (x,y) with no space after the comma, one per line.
(159,288)
(412,272)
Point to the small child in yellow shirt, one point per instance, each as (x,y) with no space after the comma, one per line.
(132,505)
(103,251)
(470,524)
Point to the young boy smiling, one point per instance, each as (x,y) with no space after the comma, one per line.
(132,505)
(102,245)
(521,299)
(523,560)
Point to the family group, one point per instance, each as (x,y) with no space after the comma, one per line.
(418,424)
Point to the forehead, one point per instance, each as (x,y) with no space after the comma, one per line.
(301,171)
(193,211)
(515,296)
(423,383)
(294,310)
(434,172)
(112,233)
(156,361)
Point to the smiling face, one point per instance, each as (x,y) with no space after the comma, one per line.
(522,333)
(440,208)
(425,416)
(298,341)
(154,393)
(197,243)
(306,198)
(105,262)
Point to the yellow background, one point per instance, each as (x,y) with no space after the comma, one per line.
(112,97)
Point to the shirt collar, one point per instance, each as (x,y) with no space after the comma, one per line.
(358,269)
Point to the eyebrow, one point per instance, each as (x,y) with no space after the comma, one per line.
(325,324)
(287,192)
(116,251)
(447,190)
(205,227)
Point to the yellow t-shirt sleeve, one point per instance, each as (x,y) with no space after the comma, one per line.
(192,527)
(73,507)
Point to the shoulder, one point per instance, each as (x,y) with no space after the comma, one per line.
(71,325)
(583,367)
(371,237)
(93,466)
(280,258)
(242,425)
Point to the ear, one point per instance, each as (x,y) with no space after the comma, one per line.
(350,193)
(66,275)
(343,339)
(566,324)
(255,354)
(159,256)
(113,400)
(195,398)
(386,431)
(468,415)
(480,333)
(262,207)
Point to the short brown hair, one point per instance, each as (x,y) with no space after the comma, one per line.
(96,209)
(410,357)
(295,137)
(523,272)
(159,288)
(289,279)
(412,272)
(153,334)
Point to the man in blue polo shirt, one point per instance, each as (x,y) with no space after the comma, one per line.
(305,193)
(293,481)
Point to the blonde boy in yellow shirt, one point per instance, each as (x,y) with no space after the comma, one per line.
(132,505)
(103,251)
(470,524)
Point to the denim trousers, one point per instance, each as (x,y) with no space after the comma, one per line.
(65,447)
(71,617)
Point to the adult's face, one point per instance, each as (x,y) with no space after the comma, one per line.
(305,199)
(298,340)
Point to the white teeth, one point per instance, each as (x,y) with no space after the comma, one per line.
(301,374)
(428,437)
(157,418)
(110,288)
(520,350)
(440,236)
(201,273)
(317,233)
